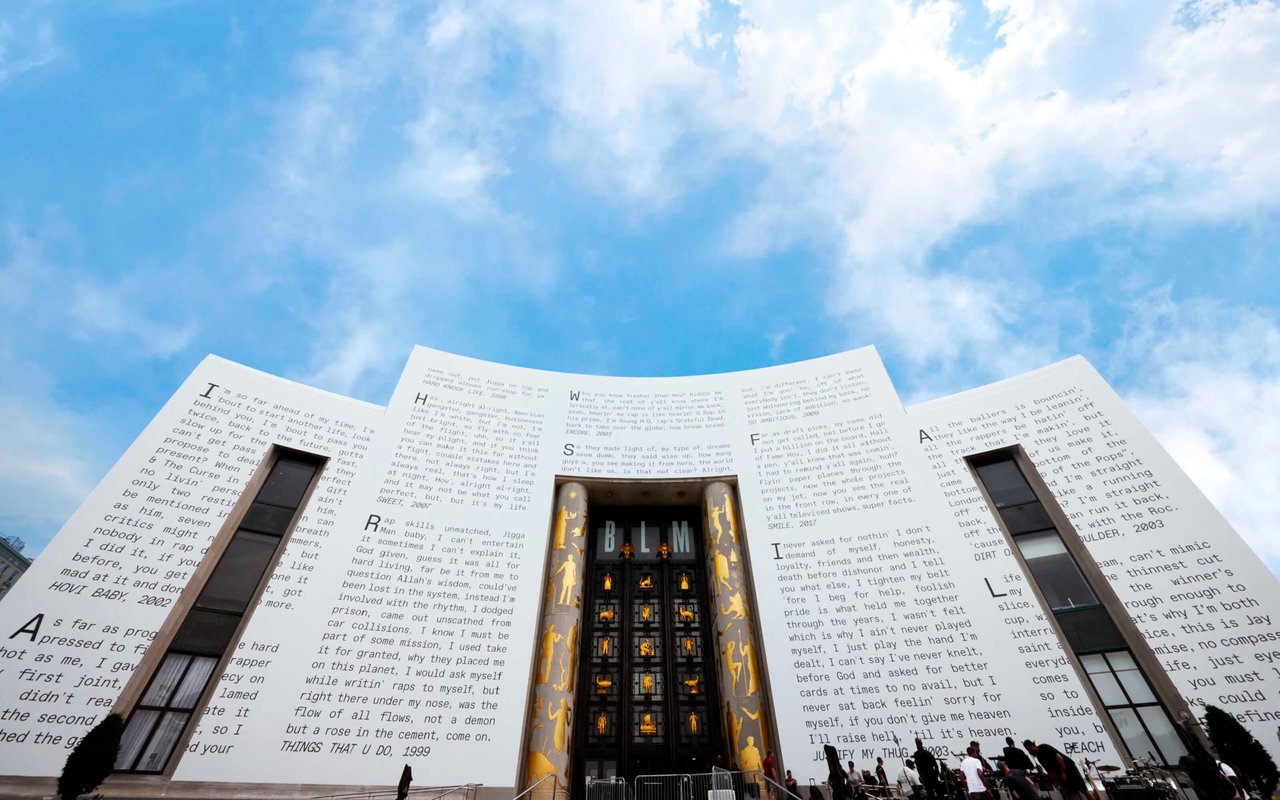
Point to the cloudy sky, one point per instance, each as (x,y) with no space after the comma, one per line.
(639,188)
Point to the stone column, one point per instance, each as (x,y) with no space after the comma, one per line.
(556,651)
(742,705)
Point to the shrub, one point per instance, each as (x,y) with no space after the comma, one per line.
(1237,747)
(92,759)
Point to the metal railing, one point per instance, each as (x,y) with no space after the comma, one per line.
(461,791)
(775,790)
(698,786)
(545,788)
(664,787)
(608,789)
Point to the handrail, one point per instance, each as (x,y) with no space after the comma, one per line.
(785,791)
(555,785)
(442,792)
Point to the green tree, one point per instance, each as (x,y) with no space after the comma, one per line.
(92,759)
(1237,747)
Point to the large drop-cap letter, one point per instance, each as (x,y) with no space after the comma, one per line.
(32,628)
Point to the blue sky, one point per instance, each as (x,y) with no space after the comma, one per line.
(638,188)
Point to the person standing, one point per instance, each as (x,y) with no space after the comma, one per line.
(909,780)
(1016,781)
(971,766)
(928,767)
(793,787)
(1229,775)
(882,777)
(770,768)
(836,776)
(977,752)
(1062,770)
(1015,757)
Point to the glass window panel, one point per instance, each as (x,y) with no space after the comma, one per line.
(1094,663)
(1040,545)
(1090,630)
(206,632)
(166,678)
(1131,730)
(1121,659)
(267,519)
(287,483)
(1005,484)
(1108,689)
(1162,730)
(1026,517)
(236,577)
(135,736)
(1137,687)
(193,684)
(162,741)
(1055,571)
(1060,581)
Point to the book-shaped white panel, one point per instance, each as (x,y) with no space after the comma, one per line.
(78,622)
(1198,594)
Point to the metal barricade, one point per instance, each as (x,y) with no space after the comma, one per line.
(664,787)
(722,784)
(713,785)
(608,789)
(718,784)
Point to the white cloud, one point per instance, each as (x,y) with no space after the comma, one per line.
(382,164)
(27,44)
(778,340)
(121,312)
(1115,112)
(1206,381)
(880,144)
(49,459)
(628,91)
(45,471)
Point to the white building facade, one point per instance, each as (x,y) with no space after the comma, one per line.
(507,574)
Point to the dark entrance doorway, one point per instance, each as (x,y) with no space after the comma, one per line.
(648,694)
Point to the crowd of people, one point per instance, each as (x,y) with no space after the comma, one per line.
(1021,773)
(1026,773)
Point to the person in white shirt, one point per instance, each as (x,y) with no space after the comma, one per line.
(972,769)
(1233,779)
(909,779)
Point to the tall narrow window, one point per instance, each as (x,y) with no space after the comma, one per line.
(171,699)
(1090,631)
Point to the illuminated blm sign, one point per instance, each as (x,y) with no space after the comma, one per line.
(643,538)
